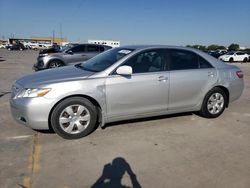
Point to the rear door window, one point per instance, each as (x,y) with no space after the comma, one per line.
(183,60)
(79,49)
(93,48)
(204,64)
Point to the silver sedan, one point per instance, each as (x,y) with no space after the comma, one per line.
(125,83)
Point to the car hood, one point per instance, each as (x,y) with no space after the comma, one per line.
(225,56)
(48,51)
(62,74)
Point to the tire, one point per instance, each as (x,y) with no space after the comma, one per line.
(214,103)
(231,60)
(55,63)
(21,49)
(245,59)
(70,126)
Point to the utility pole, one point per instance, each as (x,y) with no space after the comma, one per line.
(61,32)
(53,36)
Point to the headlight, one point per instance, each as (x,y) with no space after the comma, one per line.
(38,92)
(43,55)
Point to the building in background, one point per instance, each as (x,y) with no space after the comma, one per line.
(2,41)
(112,43)
(51,40)
(39,40)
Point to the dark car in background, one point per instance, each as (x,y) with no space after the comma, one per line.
(70,55)
(19,46)
(55,49)
(217,53)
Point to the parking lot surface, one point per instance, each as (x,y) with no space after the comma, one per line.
(182,150)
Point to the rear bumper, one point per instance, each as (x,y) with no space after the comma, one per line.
(235,89)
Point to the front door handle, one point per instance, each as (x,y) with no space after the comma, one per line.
(162,78)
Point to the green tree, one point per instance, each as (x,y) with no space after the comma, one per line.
(221,48)
(233,47)
(197,46)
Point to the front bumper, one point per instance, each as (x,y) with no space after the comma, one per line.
(32,112)
(40,64)
(37,68)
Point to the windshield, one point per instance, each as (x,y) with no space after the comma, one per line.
(67,47)
(230,53)
(105,59)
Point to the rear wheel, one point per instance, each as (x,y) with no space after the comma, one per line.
(214,103)
(245,59)
(231,60)
(74,118)
(55,63)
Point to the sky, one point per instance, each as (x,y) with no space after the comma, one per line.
(171,22)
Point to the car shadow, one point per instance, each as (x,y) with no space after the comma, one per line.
(113,173)
(2,59)
(148,119)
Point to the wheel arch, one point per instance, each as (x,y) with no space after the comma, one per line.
(91,99)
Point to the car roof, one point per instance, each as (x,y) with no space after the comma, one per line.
(137,47)
(93,45)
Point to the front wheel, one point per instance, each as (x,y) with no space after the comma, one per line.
(55,63)
(245,59)
(231,60)
(74,118)
(214,103)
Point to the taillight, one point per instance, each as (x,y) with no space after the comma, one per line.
(240,74)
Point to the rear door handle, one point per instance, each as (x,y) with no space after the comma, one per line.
(162,78)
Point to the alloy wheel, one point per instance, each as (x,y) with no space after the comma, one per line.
(74,119)
(215,103)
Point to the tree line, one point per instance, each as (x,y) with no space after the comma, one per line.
(214,47)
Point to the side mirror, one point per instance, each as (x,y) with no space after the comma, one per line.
(69,52)
(124,70)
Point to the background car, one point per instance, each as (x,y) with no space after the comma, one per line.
(55,49)
(40,47)
(71,55)
(217,53)
(125,83)
(19,46)
(234,56)
(3,45)
(248,53)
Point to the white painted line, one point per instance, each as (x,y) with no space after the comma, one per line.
(18,137)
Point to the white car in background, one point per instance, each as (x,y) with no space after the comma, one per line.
(30,45)
(234,56)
